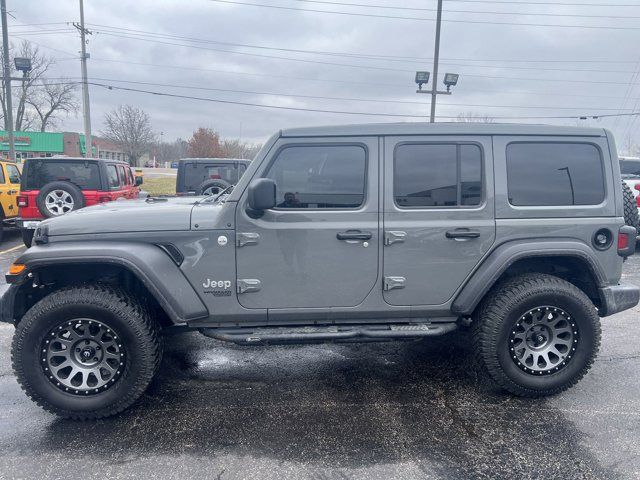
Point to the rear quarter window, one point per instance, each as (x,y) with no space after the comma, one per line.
(38,173)
(554,174)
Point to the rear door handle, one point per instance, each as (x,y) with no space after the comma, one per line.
(462,233)
(354,235)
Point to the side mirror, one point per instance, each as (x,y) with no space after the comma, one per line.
(138,181)
(262,194)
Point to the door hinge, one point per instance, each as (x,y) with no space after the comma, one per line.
(394,282)
(394,236)
(246,285)
(243,239)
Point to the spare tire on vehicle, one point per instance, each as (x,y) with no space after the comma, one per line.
(58,198)
(630,206)
(212,187)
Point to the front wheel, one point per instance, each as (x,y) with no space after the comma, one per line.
(86,352)
(536,335)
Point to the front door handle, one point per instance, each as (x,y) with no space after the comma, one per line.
(462,233)
(354,235)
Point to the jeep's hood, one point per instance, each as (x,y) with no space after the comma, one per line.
(126,216)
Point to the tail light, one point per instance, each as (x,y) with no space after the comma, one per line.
(626,241)
(637,187)
(23,201)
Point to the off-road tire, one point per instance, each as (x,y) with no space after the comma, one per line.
(497,315)
(27,236)
(114,308)
(215,183)
(630,206)
(70,188)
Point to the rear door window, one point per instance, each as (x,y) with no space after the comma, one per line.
(112,177)
(13,173)
(84,174)
(630,167)
(437,175)
(123,175)
(554,174)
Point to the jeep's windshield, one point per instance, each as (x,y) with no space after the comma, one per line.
(38,173)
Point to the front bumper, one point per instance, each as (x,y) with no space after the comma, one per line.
(617,298)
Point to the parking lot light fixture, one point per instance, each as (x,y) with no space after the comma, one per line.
(450,80)
(23,65)
(422,78)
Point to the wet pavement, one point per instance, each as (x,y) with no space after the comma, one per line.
(362,411)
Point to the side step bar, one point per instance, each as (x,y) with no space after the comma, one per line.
(331,333)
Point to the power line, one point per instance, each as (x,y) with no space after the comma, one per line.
(414,60)
(321,97)
(371,67)
(449,10)
(449,20)
(345,112)
(346,54)
(512,2)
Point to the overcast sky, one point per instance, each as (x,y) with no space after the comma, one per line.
(269,56)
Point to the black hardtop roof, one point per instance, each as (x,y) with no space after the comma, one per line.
(76,159)
(215,159)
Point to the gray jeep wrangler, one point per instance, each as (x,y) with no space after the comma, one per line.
(345,234)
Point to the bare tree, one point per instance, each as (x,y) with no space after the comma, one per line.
(53,99)
(130,128)
(472,117)
(234,148)
(35,96)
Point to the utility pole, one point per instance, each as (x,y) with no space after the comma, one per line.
(86,110)
(436,55)
(8,124)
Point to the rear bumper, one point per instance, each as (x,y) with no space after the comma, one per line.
(28,223)
(617,298)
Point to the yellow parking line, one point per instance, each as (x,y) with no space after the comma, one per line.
(11,249)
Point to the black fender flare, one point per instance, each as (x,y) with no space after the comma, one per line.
(505,255)
(149,263)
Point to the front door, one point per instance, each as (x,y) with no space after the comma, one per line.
(438,215)
(318,248)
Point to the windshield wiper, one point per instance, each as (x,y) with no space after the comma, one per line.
(212,198)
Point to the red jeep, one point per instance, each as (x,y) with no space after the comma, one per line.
(53,186)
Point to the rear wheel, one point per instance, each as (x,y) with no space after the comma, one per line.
(58,198)
(86,352)
(212,187)
(536,335)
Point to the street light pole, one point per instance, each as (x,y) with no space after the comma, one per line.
(86,110)
(436,55)
(8,124)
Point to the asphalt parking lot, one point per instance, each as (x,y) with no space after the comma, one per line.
(362,411)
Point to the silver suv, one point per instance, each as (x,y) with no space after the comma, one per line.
(341,233)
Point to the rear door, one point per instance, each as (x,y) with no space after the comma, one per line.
(438,215)
(114,181)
